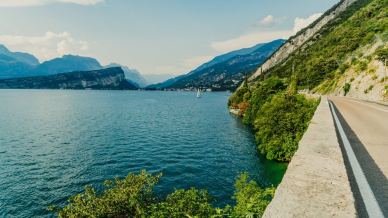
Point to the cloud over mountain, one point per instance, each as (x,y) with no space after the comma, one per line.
(46,46)
(252,38)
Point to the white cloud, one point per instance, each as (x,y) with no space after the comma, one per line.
(25,3)
(301,23)
(47,46)
(249,40)
(254,38)
(270,20)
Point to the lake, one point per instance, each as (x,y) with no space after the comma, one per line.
(54,142)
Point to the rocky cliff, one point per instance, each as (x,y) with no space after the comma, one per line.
(302,37)
(111,78)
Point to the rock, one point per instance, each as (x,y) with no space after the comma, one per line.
(111,78)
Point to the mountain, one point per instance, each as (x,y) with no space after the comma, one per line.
(19,64)
(12,64)
(157,78)
(224,72)
(131,74)
(342,53)
(67,63)
(111,78)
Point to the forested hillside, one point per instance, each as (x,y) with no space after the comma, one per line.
(271,103)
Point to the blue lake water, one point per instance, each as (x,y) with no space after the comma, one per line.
(54,142)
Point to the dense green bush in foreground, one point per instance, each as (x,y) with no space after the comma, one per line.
(278,115)
(133,196)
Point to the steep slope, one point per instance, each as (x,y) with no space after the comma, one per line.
(224,72)
(15,64)
(111,78)
(131,74)
(302,37)
(67,63)
(344,50)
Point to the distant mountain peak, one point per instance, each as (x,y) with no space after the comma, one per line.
(224,71)
(131,74)
(3,49)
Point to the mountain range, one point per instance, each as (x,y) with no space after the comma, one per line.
(224,72)
(110,78)
(19,64)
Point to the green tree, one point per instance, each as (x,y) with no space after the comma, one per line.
(250,198)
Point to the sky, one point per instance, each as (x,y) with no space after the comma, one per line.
(168,37)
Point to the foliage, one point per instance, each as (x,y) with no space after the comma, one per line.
(382,53)
(346,88)
(324,57)
(281,123)
(280,117)
(263,91)
(133,196)
(251,199)
(239,95)
(184,203)
(366,91)
(128,197)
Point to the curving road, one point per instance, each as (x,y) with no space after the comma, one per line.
(366,127)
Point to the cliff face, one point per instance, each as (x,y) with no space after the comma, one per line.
(297,41)
(111,78)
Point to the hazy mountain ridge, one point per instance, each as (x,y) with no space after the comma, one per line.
(224,72)
(20,64)
(131,74)
(110,78)
(67,63)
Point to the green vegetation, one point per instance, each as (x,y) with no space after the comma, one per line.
(133,196)
(326,56)
(280,124)
(346,88)
(366,91)
(382,54)
(279,116)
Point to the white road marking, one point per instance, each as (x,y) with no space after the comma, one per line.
(372,206)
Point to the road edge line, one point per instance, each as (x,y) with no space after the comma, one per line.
(372,206)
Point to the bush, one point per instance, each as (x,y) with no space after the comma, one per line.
(251,199)
(133,196)
(184,203)
(346,88)
(281,123)
(128,197)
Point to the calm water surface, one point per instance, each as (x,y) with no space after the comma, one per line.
(53,143)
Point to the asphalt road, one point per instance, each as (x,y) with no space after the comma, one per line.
(366,126)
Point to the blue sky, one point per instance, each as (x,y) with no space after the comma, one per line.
(153,36)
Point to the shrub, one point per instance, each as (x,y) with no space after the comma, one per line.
(346,88)
(251,199)
(184,203)
(128,197)
(133,196)
(281,123)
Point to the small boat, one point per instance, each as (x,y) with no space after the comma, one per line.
(199,93)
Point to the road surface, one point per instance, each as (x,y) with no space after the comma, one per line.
(366,126)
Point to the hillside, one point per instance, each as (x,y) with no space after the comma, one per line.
(112,79)
(343,56)
(224,72)
(131,74)
(67,63)
(12,64)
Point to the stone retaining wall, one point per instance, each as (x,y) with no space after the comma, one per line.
(316,183)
